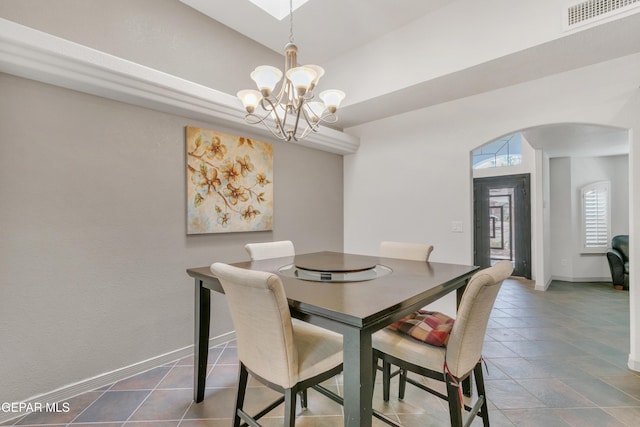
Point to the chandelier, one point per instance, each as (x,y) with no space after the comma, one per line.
(292,112)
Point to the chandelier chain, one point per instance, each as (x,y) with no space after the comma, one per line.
(290,21)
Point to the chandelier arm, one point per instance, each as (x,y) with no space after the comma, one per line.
(254,119)
(299,109)
(279,121)
(307,131)
(313,124)
(277,133)
(309,127)
(328,118)
(286,100)
(283,90)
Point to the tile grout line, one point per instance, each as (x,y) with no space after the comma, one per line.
(108,390)
(226,345)
(151,391)
(87,407)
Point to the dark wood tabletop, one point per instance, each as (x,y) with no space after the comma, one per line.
(364,303)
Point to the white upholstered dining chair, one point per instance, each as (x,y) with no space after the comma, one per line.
(286,356)
(409,251)
(460,357)
(405,250)
(258,251)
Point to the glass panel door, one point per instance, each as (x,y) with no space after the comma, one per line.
(500,227)
(502,222)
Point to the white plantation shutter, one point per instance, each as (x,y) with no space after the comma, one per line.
(595,217)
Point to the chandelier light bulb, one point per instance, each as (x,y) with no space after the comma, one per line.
(250,99)
(301,78)
(266,78)
(332,99)
(319,73)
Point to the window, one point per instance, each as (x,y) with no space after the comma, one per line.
(596,217)
(502,152)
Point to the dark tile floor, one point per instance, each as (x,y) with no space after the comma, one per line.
(555,358)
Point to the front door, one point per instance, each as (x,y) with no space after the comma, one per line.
(502,217)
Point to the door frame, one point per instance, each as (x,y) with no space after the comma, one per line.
(522,213)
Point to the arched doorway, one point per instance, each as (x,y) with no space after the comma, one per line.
(556,147)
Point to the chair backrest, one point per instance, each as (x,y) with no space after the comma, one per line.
(621,244)
(260,314)
(464,348)
(402,250)
(258,251)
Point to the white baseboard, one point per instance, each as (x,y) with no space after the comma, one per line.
(581,279)
(67,392)
(542,286)
(633,364)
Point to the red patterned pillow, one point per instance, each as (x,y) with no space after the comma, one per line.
(430,327)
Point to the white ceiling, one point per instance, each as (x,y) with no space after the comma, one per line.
(322,29)
(327,29)
(578,139)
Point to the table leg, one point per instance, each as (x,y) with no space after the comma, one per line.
(201,340)
(358,378)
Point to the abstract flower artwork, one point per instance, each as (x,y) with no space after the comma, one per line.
(229,183)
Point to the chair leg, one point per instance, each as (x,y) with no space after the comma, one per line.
(455,406)
(402,385)
(289,408)
(374,365)
(243,376)
(303,398)
(477,372)
(386,380)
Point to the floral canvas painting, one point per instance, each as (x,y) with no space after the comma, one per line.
(229,183)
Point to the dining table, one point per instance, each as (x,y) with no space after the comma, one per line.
(352,294)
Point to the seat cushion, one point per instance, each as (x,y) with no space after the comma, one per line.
(430,327)
(402,347)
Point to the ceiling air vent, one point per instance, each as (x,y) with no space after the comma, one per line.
(591,10)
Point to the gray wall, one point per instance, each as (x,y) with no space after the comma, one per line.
(93,247)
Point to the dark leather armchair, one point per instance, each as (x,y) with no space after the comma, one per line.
(618,257)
